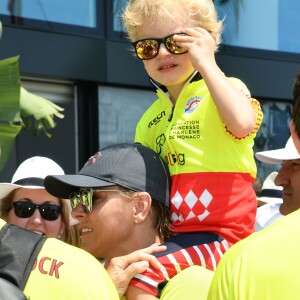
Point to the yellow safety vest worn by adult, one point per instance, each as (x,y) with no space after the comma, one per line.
(64,272)
(212,171)
(263,266)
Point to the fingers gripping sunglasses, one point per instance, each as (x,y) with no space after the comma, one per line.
(148,48)
(48,211)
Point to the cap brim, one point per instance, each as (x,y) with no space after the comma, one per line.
(6,188)
(62,186)
(276,156)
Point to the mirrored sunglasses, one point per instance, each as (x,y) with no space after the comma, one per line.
(85,198)
(148,48)
(48,211)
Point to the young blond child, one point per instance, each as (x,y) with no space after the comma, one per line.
(203,125)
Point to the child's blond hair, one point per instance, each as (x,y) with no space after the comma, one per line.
(196,13)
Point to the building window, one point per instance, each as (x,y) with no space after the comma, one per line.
(265,25)
(273,132)
(53,15)
(117,9)
(119,112)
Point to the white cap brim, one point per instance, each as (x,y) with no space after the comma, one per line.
(279,155)
(6,188)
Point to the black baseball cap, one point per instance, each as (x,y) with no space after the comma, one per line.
(132,166)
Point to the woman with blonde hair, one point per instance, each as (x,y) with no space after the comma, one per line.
(26,203)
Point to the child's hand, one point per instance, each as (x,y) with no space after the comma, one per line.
(201,46)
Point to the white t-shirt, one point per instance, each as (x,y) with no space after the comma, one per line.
(267,214)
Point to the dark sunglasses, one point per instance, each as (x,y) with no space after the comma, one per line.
(148,48)
(85,198)
(48,211)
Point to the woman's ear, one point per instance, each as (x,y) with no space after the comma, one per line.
(142,206)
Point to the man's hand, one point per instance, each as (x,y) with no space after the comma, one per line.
(122,269)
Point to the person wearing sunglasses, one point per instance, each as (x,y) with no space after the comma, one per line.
(202,124)
(120,199)
(56,274)
(26,203)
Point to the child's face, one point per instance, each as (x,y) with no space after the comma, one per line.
(171,70)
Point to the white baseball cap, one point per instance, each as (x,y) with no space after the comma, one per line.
(277,156)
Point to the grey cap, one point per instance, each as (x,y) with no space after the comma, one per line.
(132,166)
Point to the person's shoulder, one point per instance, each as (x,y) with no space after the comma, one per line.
(155,112)
(65,251)
(276,235)
(191,283)
(289,222)
(64,272)
(157,105)
(258,253)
